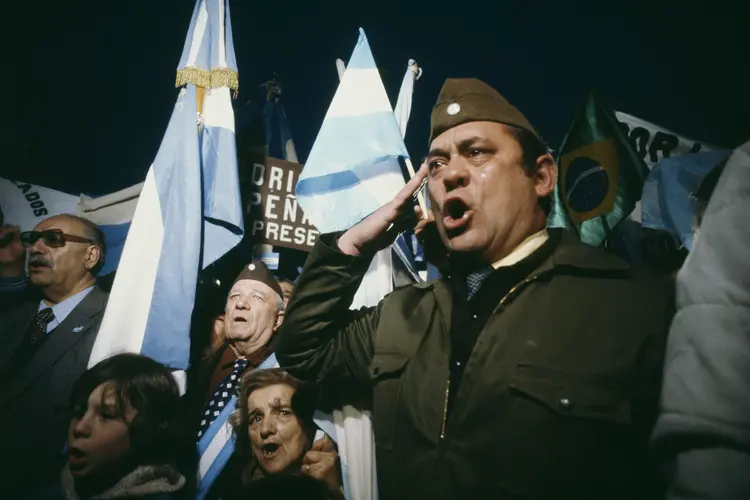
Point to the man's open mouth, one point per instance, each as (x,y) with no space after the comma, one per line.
(456,208)
(240,320)
(456,214)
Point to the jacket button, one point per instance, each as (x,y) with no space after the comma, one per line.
(376,370)
(564,403)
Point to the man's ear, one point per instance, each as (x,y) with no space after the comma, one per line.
(279,320)
(93,255)
(545,177)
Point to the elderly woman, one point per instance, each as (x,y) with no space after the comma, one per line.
(274,431)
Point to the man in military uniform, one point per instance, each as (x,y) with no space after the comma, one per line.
(531,370)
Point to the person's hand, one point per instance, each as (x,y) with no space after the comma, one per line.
(11,249)
(427,234)
(320,463)
(379,229)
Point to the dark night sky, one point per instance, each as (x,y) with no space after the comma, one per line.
(95,79)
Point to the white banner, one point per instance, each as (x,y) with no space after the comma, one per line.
(653,142)
(26,205)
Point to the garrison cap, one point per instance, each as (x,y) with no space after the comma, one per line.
(464,100)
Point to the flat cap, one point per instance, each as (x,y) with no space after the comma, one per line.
(257,271)
(464,100)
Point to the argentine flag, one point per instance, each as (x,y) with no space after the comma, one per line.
(188,213)
(353,167)
(352,171)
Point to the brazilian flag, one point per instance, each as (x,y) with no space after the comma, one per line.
(600,175)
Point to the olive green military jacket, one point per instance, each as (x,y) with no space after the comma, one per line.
(558,396)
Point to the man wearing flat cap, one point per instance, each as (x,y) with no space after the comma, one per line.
(253,313)
(531,369)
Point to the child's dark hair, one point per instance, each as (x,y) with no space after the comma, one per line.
(149,388)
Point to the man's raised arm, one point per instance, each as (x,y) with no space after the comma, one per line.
(321,337)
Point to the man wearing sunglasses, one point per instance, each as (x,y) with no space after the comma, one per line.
(45,346)
(13,281)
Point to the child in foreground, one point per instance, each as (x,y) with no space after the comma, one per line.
(123,437)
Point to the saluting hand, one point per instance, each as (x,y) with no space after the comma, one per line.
(427,233)
(379,229)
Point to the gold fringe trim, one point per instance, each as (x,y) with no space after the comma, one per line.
(217,77)
(196,76)
(225,77)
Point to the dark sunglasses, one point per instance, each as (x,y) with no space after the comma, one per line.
(8,239)
(53,238)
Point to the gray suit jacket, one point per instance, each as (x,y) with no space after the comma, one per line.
(703,432)
(34,413)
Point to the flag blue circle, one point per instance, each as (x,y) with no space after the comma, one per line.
(586,184)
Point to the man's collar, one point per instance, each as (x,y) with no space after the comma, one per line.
(569,252)
(254,359)
(526,248)
(64,307)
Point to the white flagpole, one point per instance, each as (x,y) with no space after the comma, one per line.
(340,67)
(403,111)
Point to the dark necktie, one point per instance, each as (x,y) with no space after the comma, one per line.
(227,388)
(38,328)
(474,281)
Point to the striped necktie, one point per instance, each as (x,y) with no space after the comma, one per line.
(475,279)
(227,388)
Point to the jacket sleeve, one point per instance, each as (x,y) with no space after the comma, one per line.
(703,431)
(321,337)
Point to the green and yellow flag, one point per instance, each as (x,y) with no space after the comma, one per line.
(600,176)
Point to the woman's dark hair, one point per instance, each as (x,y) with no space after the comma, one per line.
(303,406)
(532,148)
(149,388)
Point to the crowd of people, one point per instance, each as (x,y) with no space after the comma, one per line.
(536,367)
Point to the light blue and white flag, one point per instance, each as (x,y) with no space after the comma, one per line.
(353,426)
(113,213)
(353,167)
(667,202)
(189,211)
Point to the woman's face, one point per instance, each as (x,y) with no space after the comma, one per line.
(277,437)
(98,436)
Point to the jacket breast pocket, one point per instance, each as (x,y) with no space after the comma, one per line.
(386,374)
(572,395)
